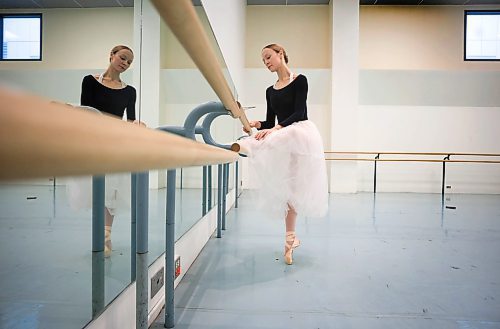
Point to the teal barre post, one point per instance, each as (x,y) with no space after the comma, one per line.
(226,190)
(133,221)
(204,193)
(98,192)
(97,283)
(141,293)
(227,179)
(225,175)
(170,251)
(219,201)
(236,184)
(209,187)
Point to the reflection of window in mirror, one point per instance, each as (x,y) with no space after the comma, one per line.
(21,37)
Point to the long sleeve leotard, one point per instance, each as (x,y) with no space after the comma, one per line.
(108,100)
(288,104)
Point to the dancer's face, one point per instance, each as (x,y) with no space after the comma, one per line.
(121,60)
(271,59)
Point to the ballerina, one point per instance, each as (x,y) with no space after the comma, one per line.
(287,156)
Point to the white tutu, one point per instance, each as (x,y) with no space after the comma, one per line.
(289,168)
(117,192)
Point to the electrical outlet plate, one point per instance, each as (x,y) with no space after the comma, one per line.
(157,281)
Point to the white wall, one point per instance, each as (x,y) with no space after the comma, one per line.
(433,129)
(415,94)
(303,30)
(415,38)
(418,95)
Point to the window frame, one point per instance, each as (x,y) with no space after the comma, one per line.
(20,15)
(476,12)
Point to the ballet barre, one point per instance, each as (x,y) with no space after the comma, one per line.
(182,19)
(445,160)
(41,139)
(412,160)
(414,153)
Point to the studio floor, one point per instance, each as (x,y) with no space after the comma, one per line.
(390,260)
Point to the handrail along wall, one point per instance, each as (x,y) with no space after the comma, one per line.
(445,160)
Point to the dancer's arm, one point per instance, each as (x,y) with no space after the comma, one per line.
(270,115)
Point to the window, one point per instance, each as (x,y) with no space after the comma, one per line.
(21,37)
(482,35)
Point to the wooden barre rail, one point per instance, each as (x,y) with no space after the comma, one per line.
(442,161)
(40,139)
(411,160)
(182,19)
(415,153)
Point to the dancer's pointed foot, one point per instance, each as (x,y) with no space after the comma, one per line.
(291,243)
(108,247)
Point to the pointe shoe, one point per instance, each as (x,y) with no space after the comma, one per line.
(291,243)
(108,247)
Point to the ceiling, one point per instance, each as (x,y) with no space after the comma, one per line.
(11,4)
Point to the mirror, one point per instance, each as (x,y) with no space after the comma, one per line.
(47,223)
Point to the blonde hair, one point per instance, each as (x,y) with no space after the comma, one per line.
(117,49)
(277,48)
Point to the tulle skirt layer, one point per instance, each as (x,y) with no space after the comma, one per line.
(117,192)
(289,168)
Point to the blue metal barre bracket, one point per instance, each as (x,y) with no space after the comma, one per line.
(211,111)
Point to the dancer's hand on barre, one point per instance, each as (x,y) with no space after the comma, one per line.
(140,123)
(253,124)
(263,133)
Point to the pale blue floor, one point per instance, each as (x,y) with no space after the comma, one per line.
(46,259)
(397,261)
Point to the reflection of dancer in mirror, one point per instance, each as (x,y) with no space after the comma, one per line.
(287,157)
(109,94)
